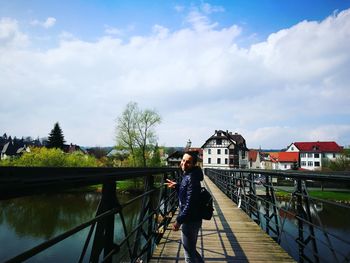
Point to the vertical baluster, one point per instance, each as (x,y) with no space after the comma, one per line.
(104,234)
(300,211)
(267,204)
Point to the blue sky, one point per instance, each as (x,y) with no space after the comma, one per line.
(274,71)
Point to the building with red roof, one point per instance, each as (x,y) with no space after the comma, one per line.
(254,159)
(284,160)
(313,154)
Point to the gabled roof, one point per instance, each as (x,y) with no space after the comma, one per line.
(252,155)
(284,157)
(318,146)
(235,138)
(176,155)
(9,149)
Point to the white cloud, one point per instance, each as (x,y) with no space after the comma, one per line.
(64,35)
(10,35)
(118,32)
(209,9)
(113,31)
(179,8)
(49,22)
(293,86)
(200,22)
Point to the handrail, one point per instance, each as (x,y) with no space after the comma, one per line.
(255,193)
(25,181)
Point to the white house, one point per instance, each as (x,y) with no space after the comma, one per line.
(313,154)
(254,159)
(225,150)
(284,160)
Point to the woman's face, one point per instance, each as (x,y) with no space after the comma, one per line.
(186,162)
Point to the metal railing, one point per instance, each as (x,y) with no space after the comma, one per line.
(157,206)
(279,201)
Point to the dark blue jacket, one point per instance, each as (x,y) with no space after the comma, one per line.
(188,193)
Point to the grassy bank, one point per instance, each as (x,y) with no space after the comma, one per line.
(329,195)
(341,196)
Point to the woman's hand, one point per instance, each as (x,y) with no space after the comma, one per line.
(170,184)
(176,226)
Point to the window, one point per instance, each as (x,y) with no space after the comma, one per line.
(285,166)
(243,154)
(303,163)
(309,155)
(333,155)
(219,151)
(231,160)
(317,164)
(226,161)
(218,161)
(209,160)
(317,155)
(302,155)
(310,163)
(218,141)
(226,151)
(231,151)
(209,151)
(323,155)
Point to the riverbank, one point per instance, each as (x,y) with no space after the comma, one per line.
(123,187)
(342,196)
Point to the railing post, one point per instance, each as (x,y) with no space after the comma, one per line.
(145,209)
(151,220)
(251,192)
(267,204)
(300,211)
(104,234)
(270,203)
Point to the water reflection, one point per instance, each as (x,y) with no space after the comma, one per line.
(331,234)
(45,216)
(320,211)
(28,221)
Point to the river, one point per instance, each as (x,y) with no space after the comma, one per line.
(29,221)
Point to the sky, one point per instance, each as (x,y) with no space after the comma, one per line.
(276,72)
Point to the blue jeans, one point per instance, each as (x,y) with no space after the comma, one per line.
(189,235)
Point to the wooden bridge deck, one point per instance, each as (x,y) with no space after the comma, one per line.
(230,236)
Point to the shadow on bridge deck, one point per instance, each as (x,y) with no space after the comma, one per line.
(230,236)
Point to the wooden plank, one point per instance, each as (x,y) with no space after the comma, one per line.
(230,236)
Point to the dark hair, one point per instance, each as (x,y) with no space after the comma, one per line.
(194,155)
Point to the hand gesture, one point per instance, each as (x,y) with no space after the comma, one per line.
(170,184)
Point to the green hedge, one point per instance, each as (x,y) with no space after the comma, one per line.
(51,158)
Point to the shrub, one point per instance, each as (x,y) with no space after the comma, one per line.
(51,158)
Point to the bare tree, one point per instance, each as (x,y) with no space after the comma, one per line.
(146,134)
(135,130)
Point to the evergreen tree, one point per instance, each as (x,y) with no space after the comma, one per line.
(56,138)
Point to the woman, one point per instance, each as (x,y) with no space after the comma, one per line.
(189,217)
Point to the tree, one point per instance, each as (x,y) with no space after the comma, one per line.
(126,129)
(56,138)
(135,131)
(155,159)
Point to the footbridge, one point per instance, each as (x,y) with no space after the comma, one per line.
(230,236)
(260,216)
